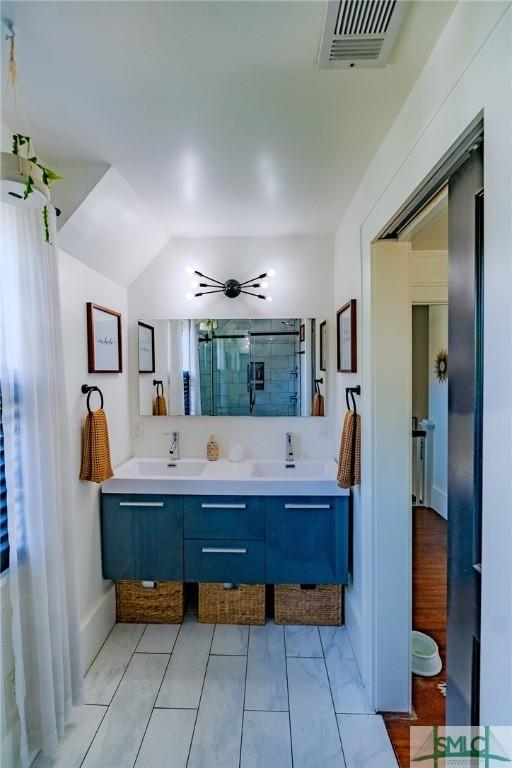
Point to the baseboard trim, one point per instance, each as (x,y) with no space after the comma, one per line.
(439,501)
(97,626)
(353,627)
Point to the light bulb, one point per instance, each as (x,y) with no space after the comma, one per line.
(189,295)
(189,270)
(268,298)
(264,284)
(271,273)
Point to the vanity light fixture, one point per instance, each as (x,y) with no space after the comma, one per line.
(231,288)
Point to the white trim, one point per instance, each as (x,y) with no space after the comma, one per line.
(97,626)
(439,501)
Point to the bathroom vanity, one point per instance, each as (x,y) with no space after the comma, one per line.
(252,522)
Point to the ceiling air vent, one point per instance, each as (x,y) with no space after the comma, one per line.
(360,33)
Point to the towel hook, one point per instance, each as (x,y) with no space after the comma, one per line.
(352,391)
(88,390)
(158,383)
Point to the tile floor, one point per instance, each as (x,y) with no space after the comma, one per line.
(224,696)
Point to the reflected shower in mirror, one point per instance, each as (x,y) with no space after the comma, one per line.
(232,367)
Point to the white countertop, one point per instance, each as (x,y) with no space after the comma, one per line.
(255,477)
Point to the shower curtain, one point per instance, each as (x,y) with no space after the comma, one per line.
(195,376)
(45,625)
(176,391)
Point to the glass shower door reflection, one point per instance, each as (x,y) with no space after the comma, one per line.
(274,367)
(229,368)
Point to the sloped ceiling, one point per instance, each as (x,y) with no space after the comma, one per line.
(112,231)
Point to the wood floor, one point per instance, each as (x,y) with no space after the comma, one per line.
(429,615)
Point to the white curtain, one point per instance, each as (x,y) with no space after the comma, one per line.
(176,392)
(38,478)
(195,375)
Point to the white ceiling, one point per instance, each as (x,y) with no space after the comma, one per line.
(213,112)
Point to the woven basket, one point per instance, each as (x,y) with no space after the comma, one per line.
(243,604)
(164,604)
(322,604)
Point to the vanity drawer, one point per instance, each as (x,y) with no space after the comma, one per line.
(240,561)
(142,537)
(224,517)
(307,540)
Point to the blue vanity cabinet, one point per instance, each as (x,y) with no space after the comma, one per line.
(307,540)
(142,537)
(214,560)
(224,517)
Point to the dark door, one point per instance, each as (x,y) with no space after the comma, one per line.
(465,330)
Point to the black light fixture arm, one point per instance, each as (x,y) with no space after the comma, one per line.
(250,293)
(206,277)
(253,279)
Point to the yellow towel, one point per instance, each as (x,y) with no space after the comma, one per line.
(96,465)
(318,405)
(159,406)
(349,462)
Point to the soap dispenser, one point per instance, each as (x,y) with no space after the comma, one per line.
(212,448)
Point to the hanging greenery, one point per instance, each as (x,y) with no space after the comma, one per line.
(22,147)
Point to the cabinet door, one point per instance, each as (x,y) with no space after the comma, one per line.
(224,517)
(142,537)
(242,562)
(307,540)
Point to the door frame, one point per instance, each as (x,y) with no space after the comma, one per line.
(387,586)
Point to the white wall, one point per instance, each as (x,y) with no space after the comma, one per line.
(438,408)
(301,288)
(78,285)
(468,73)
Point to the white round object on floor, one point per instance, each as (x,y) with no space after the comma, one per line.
(426,660)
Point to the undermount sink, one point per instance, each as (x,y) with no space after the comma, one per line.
(169,468)
(289,470)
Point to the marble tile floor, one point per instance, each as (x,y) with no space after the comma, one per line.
(224,696)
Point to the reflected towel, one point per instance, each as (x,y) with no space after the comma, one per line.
(349,462)
(96,465)
(159,406)
(318,405)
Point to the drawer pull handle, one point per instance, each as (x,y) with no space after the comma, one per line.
(223,506)
(141,503)
(224,551)
(307,506)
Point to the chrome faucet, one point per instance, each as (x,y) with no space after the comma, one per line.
(174,450)
(289,448)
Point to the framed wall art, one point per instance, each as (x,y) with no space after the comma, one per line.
(146,348)
(104,344)
(346,337)
(323,345)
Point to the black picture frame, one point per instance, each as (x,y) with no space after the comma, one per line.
(323,345)
(346,337)
(143,342)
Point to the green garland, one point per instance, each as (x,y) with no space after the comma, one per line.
(49,176)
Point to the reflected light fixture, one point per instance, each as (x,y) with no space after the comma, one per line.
(231,288)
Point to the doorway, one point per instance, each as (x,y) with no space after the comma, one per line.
(462,172)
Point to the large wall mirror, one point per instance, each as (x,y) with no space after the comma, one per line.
(232,367)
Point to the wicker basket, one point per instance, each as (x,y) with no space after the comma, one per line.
(164,604)
(322,604)
(241,604)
